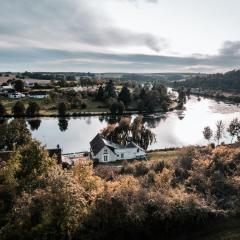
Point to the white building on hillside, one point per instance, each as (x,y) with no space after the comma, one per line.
(16,95)
(103,150)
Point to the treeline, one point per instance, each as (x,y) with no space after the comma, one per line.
(228,81)
(142,200)
(146,98)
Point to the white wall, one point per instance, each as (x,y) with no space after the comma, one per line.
(111,156)
(129,153)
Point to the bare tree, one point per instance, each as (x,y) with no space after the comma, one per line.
(220,132)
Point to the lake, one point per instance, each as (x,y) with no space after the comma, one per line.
(174,129)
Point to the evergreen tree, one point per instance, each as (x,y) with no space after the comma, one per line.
(100,94)
(125,95)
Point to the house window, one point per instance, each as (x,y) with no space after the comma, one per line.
(122,155)
(105,151)
(138,150)
(105,158)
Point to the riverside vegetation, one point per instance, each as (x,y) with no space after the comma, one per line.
(88,96)
(181,196)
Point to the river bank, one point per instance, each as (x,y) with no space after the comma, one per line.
(219,95)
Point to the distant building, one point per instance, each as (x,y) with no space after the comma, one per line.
(38,94)
(6,88)
(16,95)
(102,150)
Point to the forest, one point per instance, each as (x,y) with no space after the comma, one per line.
(229,81)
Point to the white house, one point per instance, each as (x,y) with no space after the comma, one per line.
(16,95)
(6,88)
(103,150)
(38,94)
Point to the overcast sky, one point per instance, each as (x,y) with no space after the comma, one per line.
(120,35)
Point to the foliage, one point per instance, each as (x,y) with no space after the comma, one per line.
(33,109)
(125,96)
(2,110)
(62,108)
(13,134)
(207,133)
(19,85)
(125,130)
(18,109)
(148,199)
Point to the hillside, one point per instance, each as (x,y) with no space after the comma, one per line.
(229,81)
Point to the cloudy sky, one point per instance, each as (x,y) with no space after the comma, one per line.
(120,35)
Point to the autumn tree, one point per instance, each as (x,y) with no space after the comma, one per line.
(13,134)
(125,130)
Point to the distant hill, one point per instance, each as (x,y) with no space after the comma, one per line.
(229,81)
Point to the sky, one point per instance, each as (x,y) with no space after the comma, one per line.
(120,35)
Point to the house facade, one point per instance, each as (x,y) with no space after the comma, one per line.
(102,150)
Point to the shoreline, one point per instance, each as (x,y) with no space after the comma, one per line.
(86,114)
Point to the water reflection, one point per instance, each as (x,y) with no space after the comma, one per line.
(109,119)
(154,121)
(63,124)
(174,129)
(34,124)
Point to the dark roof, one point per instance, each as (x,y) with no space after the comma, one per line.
(133,145)
(5,156)
(57,152)
(97,144)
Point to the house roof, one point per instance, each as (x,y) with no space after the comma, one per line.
(98,143)
(133,145)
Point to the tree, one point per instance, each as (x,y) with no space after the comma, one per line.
(220,131)
(124,131)
(18,109)
(234,128)
(125,95)
(207,133)
(14,134)
(109,90)
(33,109)
(121,107)
(62,109)
(100,94)
(114,107)
(19,85)
(2,110)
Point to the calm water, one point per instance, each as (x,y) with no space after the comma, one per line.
(175,129)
